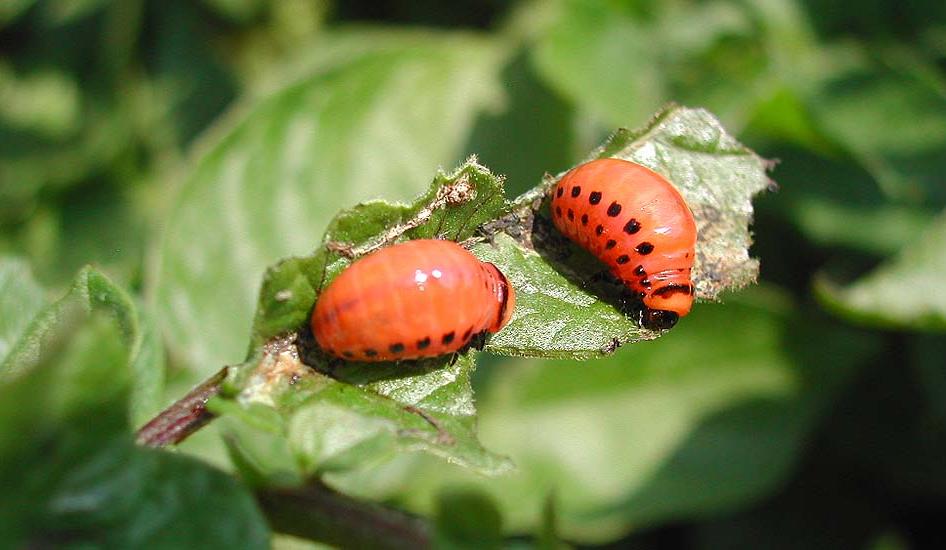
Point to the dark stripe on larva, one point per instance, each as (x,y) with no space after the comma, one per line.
(594,197)
(504,288)
(644,248)
(673,288)
(576,191)
(614,209)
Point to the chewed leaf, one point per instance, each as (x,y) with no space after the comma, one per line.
(562,310)
(359,415)
(341,416)
(555,316)
(717,175)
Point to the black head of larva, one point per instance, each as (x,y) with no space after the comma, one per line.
(658,319)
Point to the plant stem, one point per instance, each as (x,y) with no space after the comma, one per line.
(318,513)
(187,415)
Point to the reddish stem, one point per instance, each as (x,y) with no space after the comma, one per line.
(187,415)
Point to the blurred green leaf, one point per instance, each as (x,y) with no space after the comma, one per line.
(698,422)
(842,207)
(268,185)
(11,9)
(905,292)
(71,472)
(21,298)
(92,294)
(621,60)
(893,121)
(467,519)
(63,12)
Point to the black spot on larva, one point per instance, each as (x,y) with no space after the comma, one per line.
(576,191)
(467,334)
(610,244)
(639,271)
(645,283)
(571,215)
(370,352)
(614,209)
(673,288)
(644,248)
(348,354)
(558,211)
(599,230)
(396,347)
(422,344)
(584,219)
(560,191)
(632,226)
(448,337)
(623,259)
(594,197)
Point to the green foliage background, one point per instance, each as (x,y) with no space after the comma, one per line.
(183,147)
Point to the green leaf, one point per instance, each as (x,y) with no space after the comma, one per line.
(72,473)
(842,207)
(92,293)
(467,519)
(11,9)
(266,187)
(892,119)
(904,292)
(21,298)
(594,42)
(621,61)
(698,422)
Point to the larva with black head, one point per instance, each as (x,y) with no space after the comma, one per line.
(637,223)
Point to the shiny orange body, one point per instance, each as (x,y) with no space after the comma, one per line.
(638,224)
(416,299)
